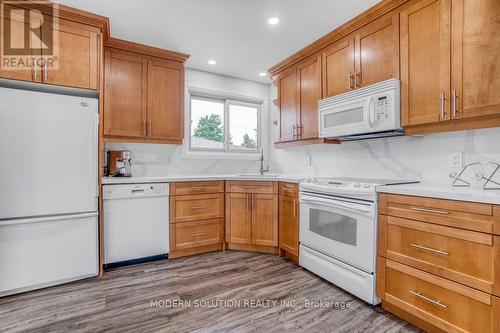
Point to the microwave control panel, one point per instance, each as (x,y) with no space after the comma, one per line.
(382,113)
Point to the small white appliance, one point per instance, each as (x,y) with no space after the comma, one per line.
(48,214)
(338,232)
(136,223)
(364,113)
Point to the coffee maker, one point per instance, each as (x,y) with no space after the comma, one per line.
(119,163)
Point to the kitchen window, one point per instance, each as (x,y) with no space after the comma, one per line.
(225,125)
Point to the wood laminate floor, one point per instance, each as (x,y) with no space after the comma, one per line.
(216,292)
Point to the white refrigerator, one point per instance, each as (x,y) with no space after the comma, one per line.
(48,189)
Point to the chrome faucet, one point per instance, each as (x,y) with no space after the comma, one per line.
(262,170)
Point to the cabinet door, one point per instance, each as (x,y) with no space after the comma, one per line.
(289,224)
(476,57)
(425,62)
(377,51)
(79,49)
(338,68)
(309,88)
(238,218)
(265,219)
(165,100)
(18,27)
(287,95)
(125,94)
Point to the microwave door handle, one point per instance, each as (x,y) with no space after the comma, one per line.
(344,205)
(370,112)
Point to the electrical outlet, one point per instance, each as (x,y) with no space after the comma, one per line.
(307,161)
(456,159)
(171,161)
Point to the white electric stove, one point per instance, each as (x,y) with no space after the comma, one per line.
(338,231)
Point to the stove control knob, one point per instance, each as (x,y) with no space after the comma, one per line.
(315,181)
(357,185)
(368,186)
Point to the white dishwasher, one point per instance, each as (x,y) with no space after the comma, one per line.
(136,223)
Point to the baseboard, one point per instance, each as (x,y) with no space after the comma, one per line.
(195,250)
(252,248)
(285,254)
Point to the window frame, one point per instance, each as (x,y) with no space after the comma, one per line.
(227,99)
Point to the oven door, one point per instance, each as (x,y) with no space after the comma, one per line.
(348,118)
(342,228)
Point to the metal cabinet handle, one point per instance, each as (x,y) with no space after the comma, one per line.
(299,131)
(430,211)
(294,208)
(425,248)
(195,234)
(199,187)
(150,128)
(442,111)
(351,81)
(199,207)
(430,300)
(36,71)
(358,79)
(294,131)
(144,130)
(45,71)
(454,103)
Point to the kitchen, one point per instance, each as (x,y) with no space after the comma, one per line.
(329,166)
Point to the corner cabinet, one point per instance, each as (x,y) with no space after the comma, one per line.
(143,94)
(252,216)
(450,55)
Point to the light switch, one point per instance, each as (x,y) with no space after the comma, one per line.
(456,159)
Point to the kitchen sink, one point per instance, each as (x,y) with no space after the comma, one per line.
(258,175)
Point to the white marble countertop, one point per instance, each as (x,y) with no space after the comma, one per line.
(167,179)
(472,194)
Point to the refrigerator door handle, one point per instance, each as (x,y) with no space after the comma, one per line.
(32,220)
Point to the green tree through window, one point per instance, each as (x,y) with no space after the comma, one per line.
(248,142)
(210,128)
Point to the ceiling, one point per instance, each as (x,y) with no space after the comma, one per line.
(235,33)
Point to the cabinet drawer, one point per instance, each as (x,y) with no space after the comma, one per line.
(289,189)
(196,207)
(465,215)
(252,187)
(447,305)
(186,188)
(460,255)
(193,234)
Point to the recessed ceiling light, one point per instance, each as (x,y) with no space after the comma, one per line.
(262,74)
(212,62)
(274,20)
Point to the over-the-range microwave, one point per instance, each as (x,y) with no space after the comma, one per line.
(369,112)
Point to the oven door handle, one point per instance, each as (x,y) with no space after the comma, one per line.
(335,203)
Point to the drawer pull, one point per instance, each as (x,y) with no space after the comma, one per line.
(199,207)
(196,234)
(421,247)
(430,300)
(430,211)
(199,188)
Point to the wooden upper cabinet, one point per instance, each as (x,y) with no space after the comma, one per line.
(18,27)
(476,58)
(338,67)
(125,94)
(377,51)
(79,56)
(265,219)
(144,94)
(309,93)
(287,96)
(425,62)
(238,218)
(165,99)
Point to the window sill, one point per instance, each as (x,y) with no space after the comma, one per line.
(220,155)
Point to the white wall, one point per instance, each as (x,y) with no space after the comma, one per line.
(163,160)
(404,157)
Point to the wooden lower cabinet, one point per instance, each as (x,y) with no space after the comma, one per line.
(289,221)
(196,220)
(438,264)
(252,218)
